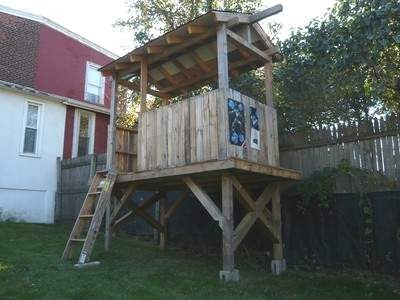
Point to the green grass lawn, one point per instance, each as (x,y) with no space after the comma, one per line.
(30,268)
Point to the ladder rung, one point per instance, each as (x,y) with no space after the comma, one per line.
(77,240)
(94,193)
(86,216)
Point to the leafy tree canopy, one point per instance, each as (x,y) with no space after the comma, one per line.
(149,18)
(341,67)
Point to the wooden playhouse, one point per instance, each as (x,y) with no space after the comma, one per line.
(220,139)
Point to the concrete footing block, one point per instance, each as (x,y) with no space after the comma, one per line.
(278,266)
(229,275)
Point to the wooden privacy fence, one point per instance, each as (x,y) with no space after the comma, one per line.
(74,176)
(371,144)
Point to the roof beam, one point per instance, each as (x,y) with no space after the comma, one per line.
(122,66)
(171,50)
(154,49)
(136,58)
(136,86)
(182,68)
(258,16)
(196,29)
(167,75)
(241,42)
(200,62)
(174,39)
(208,75)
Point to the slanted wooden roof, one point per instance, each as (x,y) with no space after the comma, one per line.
(186,57)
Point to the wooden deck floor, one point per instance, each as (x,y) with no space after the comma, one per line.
(208,173)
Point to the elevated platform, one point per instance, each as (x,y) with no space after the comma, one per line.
(208,173)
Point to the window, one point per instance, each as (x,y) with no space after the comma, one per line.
(31,128)
(94,89)
(83,141)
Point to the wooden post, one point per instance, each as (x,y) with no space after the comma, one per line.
(110,165)
(222,55)
(163,234)
(58,197)
(269,100)
(278,264)
(111,148)
(143,84)
(228,272)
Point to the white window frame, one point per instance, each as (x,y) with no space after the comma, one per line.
(91,130)
(95,66)
(38,146)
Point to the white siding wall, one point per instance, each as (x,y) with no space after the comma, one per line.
(28,184)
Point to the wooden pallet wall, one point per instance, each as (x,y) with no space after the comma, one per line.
(197,130)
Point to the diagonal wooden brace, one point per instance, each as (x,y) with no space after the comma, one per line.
(130,215)
(146,216)
(204,199)
(129,191)
(257,211)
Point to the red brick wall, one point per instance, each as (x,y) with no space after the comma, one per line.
(18,44)
(61,65)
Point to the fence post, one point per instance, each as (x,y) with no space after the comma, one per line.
(58,195)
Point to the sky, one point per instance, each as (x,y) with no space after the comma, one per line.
(94,19)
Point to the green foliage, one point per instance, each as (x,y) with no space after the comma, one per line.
(319,188)
(342,66)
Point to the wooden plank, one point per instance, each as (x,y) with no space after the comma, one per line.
(212,98)
(199,129)
(193,133)
(223,128)
(205,200)
(206,128)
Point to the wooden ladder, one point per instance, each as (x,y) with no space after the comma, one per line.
(88,223)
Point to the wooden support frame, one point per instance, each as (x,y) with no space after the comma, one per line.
(204,199)
(130,215)
(244,44)
(136,86)
(143,84)
(222,57)
(129,192)
(228,248)
(257,211)
(269,95)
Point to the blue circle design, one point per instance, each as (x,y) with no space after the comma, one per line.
(241,138)
(234,138)
(231,104)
